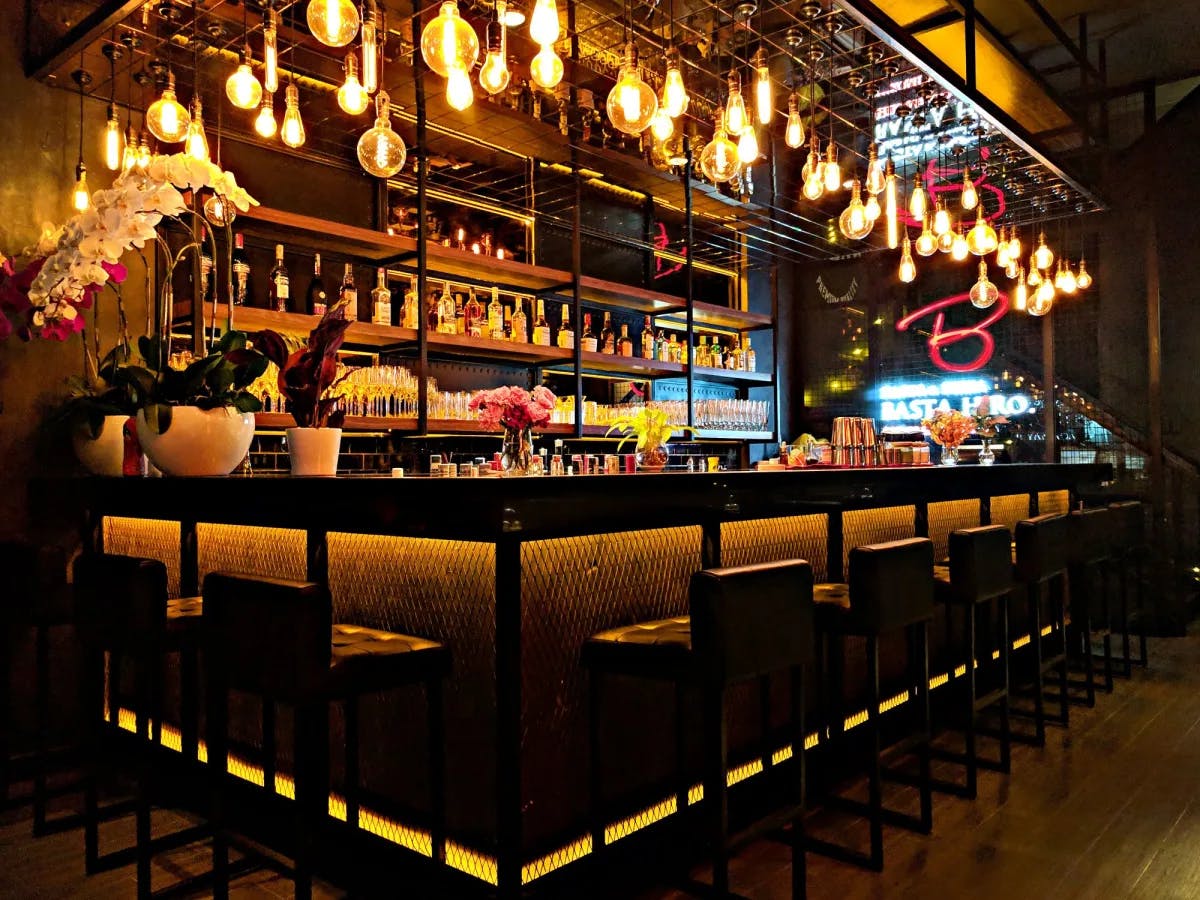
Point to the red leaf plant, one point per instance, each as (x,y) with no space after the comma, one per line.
(307,375)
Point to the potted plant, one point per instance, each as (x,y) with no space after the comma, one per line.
(949,428)
(308,378)
(652,430)
(100,413)
(518,412)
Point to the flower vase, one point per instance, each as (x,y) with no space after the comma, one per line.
(516,454)
(986,456)
(950,456)
(314,451)
(652,459)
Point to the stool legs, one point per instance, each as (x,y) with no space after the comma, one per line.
(43,730)
(875,773)
(1006,684)
(972,759)
(312,788)
(146,712)
(594,770)
(268,744)
(921,642)
(437,767)
(681,768)
(350,716)
(799,859)
(217,735)
(716,791)
(1035,636)
(94,691)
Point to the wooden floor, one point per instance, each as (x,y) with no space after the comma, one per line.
(1108,809)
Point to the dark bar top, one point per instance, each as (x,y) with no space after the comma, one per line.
(488,509)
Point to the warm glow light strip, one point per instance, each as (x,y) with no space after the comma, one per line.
(469,202)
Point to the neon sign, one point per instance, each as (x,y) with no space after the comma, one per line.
(941,337)
(661,241)
(948,180)
(913,401)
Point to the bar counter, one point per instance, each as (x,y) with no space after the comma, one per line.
(514,574)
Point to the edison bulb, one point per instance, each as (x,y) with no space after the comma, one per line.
(1043,299)
(1014,244)
(1043,257)
(983,293)
(1014,269)
(264,122)
(546,68)
(381,151)
(833,172)
(271,52)
(1058,277)
(674,96)
(854,223)
(872,207)
(352,95)
(112,140)
(875,174)
(196,144)
(219,211)
(736,119)
(926,241)
(764,100)
(292,132)
(890,207)
(793,135)
(459,93)
(449,42)
(982,237)
(242,87)
(143,153)
(333,22)
(917,202)
(631,103)
(941,220)
(908,268)
(970,197)
(945,242)
(370,51)
(1084,279)
(814,185)
(130,157)
(719,161)
(543,24)
(1070,283)
(748,146)
(166,118)
(1002,254)
(958,247)
(1021,294)
(81,197)
(662,126)
(493,74)
(1035,277)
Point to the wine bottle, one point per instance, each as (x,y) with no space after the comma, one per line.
(566,334)
(662,348)
(474,315)
(241,271)
(520,331)
(348,295)
(381,300)
(410,311)
(624,342)
(647,340)
(446,311)
(751,360)
(608,342)
(587,340)
(541,328)
(316,301)
(460,315)
(673,349)
(278,290)
(495,313)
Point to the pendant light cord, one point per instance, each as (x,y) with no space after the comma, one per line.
(81,107)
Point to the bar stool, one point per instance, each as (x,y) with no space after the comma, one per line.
(890,590)
(744,623)
(307,663)
(1091,613)
(1042,558)
(124,612)
(37,596)
(980,573)
(1128,552)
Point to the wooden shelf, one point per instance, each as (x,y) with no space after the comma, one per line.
(713,316)
(472,426)
(714,434)
(359,334)
(732,377)
(483,348)
(282,421)
(630,365)
(599,292)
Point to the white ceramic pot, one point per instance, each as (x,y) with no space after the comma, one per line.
(314,451)
(104,454)
(198,441)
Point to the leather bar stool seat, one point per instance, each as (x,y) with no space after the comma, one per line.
(1090,602)
(744,624)
(890,590)
(980,575)
(125,614)
(309,662)
(1128,551)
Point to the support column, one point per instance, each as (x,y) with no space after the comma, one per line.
(1049,396)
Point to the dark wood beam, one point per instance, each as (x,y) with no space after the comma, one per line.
(1062,37)
(934,21)
(93,26)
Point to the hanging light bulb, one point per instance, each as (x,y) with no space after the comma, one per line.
(81,197)
(941,220)
(736,119)
(917,201)
(814,175)
(908,268)
(271,52)
(748,145)
(719,161)
(219,211)
(1002,255)
(982,237)
(292,132)
(673,150)
(1014,268)
(130,156)
(459,93)
(891,210)
(352,96)
(493,74)
(333,22)
(1058,276)
(264,122)
(854,223)
(927,242)
(958,246)
(764,95)
(1043,258)
(166,118)
(143,153)
(970,197)
(1043,299)
(370,46)
(983,293)
(675,97)
(1021,294)
(793,135)
(833,172)
(1014,244)
(381,151)
(543,25)
(546,68)
(1084,279)
(449,42)
(1034,278)
(1070,282)
(875,173)
(662,126)
(242,87)
(631,103)
(945,241)
(872,207)
(112,140)
(196,144)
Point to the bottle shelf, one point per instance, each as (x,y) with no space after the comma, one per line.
(732,376)
(279,421)
(722,317)
(608,363)
(254,318)
(484,348)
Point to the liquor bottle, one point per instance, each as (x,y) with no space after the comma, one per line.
(731,356)
(445,323)
(702,352)
(433,314)
(662,347)
(381,301)
(624,342)
(587,340)
(647,340)
(474,315)
(495,314)
(278,290)
(673,349)
(507,333)
(608,340)
(348,294)
(410,310)
(541,328)
(566,335)
(751,360)
(317,301)
(241,271)
(520,330)
(460,315)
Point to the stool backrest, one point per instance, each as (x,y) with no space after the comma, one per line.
(981,563)
(121,601)
(1090,534)
(1043,548)
(751,620)
(266,635)
(1129,525)
(33,582)
(891,584)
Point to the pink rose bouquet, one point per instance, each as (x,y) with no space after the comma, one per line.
(514,407)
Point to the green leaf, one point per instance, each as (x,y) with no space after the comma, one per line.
(231,340)
(158,417)
(247,403)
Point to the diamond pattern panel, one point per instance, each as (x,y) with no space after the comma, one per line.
(1010,509)
(948,516)
(443,590)
(1056,503)
(247,550)
(147,538)
(768,540)
(572,588)
(874,526)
